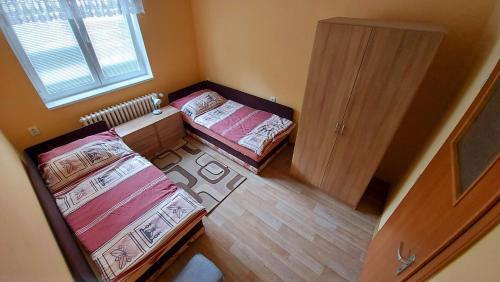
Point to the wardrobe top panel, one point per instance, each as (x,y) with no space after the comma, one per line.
(385,24)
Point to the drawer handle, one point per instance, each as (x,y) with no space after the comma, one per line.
(405,261)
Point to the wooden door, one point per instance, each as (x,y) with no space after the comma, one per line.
(436,211)
(393,67)
(337,54)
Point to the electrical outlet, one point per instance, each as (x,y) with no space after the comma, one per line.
(33,130)
(273,99)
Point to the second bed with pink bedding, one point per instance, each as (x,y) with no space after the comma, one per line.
(250,131)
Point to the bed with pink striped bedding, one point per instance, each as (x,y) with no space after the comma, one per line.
(124,211)
(252,129)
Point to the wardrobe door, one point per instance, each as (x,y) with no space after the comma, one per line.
(336,58)
(393,67)
(459,186)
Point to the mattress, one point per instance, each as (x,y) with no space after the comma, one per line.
(125,213)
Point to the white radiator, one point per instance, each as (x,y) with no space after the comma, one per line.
(122,112)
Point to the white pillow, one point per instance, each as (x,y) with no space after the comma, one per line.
(203,103)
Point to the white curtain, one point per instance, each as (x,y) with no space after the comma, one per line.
(27,11)
(104,8)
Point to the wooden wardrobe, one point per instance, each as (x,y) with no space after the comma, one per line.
(363,75)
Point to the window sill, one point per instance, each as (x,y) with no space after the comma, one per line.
(97,92)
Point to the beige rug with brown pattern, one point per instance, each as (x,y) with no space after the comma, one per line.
(207,179)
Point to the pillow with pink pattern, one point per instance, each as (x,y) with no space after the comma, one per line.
(199,102)
(66,164)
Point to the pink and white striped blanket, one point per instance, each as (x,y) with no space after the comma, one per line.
(125,213)
(248,127)
(243,125)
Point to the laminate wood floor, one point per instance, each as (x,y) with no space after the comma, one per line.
(273,228)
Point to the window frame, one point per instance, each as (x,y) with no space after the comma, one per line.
(101,85)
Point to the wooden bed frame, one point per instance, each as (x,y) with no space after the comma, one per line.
(73,254)
(242,98)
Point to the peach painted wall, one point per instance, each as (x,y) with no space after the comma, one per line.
(167,28)
(263,47)
(29,251)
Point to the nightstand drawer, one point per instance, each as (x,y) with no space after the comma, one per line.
(150,134)
(170,130)
(144,141)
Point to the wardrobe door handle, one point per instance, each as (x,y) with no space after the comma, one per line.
(341,132)
(405,261)
(339,128)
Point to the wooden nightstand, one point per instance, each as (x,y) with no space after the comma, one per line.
(150,134)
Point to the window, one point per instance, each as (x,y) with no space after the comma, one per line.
(72,59)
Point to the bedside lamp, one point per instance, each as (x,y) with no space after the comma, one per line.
(156,105)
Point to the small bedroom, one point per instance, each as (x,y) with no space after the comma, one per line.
(220,140)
